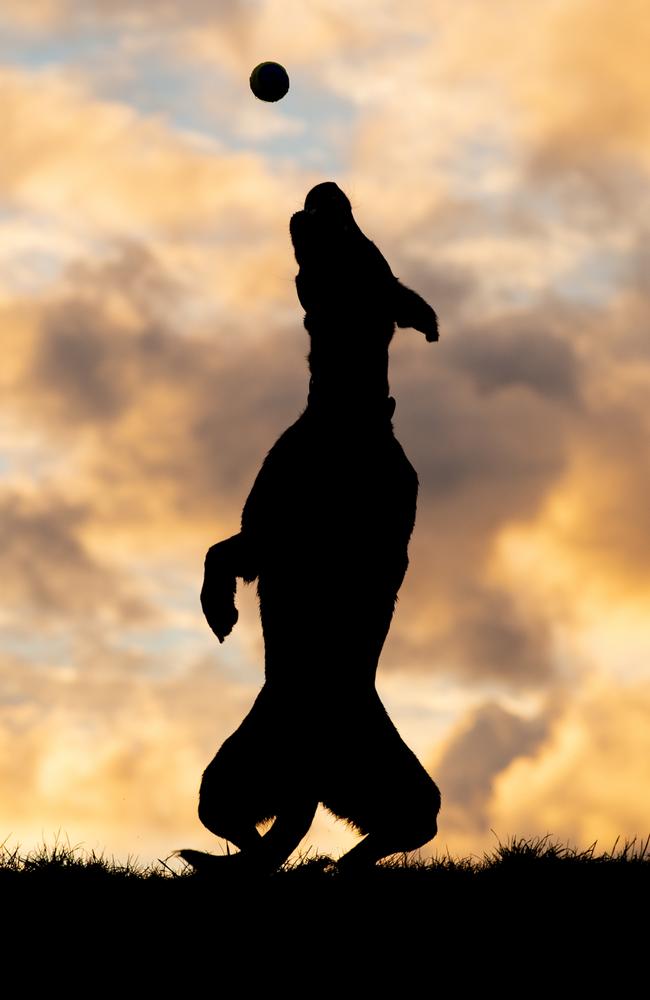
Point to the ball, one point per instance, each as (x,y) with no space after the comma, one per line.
(269,81)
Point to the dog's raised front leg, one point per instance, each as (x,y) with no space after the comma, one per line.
(411,310)
(224,562)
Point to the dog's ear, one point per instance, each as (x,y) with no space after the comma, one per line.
(410,309)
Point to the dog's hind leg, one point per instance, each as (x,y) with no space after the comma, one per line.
(406,832)
(409,829)
(376,846)
(380,787)
(289,827)
(255,777)
(259,854)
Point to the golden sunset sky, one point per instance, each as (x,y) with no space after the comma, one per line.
(152,351)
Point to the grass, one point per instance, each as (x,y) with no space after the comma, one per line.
(516,863)
(534,900)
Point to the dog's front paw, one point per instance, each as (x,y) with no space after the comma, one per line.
(430,328)
(220,612)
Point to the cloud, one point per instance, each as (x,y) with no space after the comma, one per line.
(112,757)
(166,430)
(49,570)
(151,407)
(490,442)
(577,770)
(507,354)
(493,635)
(108,168)
(590,541)
(481,748)
(155,351)
(589,781)
(153,417)
(38,15)
(595,84)
(157,405)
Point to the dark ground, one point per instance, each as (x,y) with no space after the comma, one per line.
(532,917)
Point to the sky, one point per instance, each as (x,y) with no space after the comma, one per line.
(153,350)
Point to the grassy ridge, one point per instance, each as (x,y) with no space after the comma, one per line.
(531,913)
(518,861)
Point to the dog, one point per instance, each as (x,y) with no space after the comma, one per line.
(325,532)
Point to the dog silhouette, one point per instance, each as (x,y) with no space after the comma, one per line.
(325,531)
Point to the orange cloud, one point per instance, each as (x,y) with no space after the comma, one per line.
(156,354)
(592,97)
(590,781)
(51,573)
(102,165)
(111,756)
(39,15)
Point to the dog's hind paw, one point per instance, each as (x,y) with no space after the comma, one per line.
(208,864)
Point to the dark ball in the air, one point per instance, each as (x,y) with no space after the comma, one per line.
(269,81)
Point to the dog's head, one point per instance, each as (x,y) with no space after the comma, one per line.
(342,273)
(322,231)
